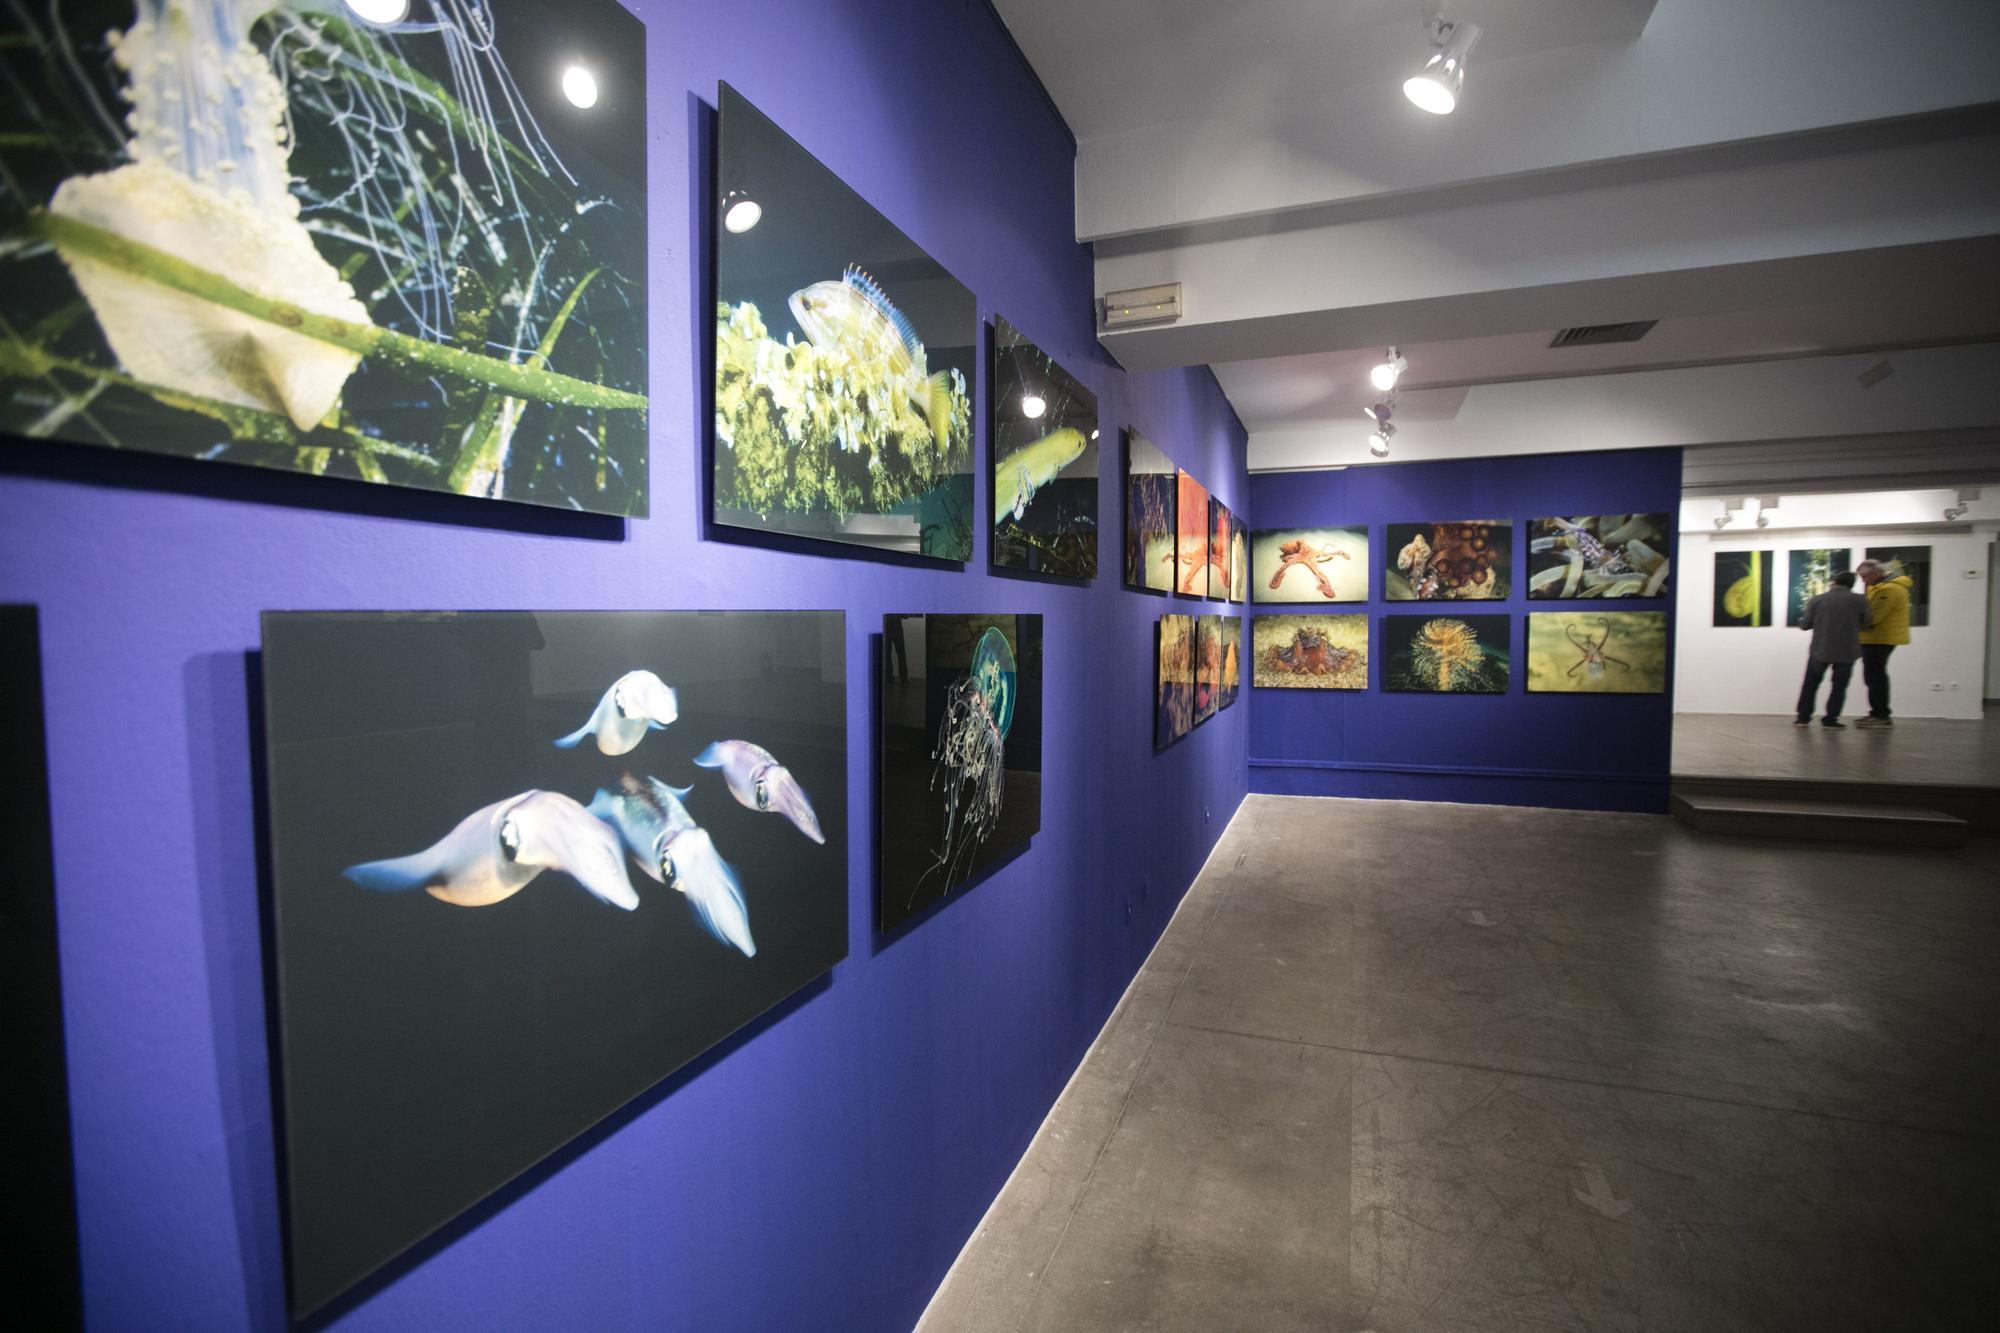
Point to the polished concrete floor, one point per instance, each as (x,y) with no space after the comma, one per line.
(1432,1067)
(1915,750)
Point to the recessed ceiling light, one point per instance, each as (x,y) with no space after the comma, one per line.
(579,85)
(1436,87)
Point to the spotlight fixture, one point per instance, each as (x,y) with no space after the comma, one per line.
(740,212)
(1435,88)
(381,13)
(1378,443)
(1953,513)
(1380,410)
(1722,521)
(1032,406)
(1385,375)
(579,85)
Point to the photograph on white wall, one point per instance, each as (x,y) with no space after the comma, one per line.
(1915,563)
(1743,589)
(1810,573)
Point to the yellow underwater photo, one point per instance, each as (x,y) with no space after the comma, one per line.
(1597,652)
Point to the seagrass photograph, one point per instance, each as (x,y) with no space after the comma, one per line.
(1447,654)
(405,248)
(1809,573)
(844,359)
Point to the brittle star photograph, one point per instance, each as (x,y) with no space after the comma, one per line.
(399,241)
(1597,652)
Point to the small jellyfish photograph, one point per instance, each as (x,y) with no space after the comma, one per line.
(1447,654)
(1151,491)
(394,241)
(1044,462)
(1470,560)
(961,758)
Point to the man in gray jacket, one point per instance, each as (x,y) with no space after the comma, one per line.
(1836,618)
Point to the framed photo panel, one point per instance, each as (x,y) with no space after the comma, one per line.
(1044,462)
(1310,651)
(1597,652)
(1600,556)
(1468,560)
(1151,531)
(1447,654)
(1314,566)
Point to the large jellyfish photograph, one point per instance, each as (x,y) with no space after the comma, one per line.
(1044,461)
(961,757)
(398,241)
(524,866)
(844,359)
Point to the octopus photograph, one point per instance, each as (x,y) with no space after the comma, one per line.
(1221,546)
(1192,547)
(844,359)
(1742,589)
(1232,662)
(1207,667)
(960,758)
(1599,555)
(524,866)
(1239,559)
(391,241)
(1044,462)
(1448,562)
(1309,652)
(1447,654)
(1597,652)
(1810,573)
(1174,680)
(1151,487)
(1311,565)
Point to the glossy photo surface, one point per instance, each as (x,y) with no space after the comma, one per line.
(1469,560)
(1743,589)
(1597,652)
(1174,680)
(1314,566)
(1151,490)
(1447,654)
(1310,652)
(1044,461)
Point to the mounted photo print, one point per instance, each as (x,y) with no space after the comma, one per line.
(1151,484)
(525,865)
(1232,661)
(1443,562)
(1239,559)
(1600,555)
(303,238)
(844,359)
(1174,681)
(1913,562)
(1597,652)
(1044,462)
(1207,667)
(1810,573)
(1309,652)
(1743,589)
(1447,654)
(960,757)
(1221,544)
(1311,565)
(1192,544)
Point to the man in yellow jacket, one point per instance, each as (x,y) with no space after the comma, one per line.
(1889,625)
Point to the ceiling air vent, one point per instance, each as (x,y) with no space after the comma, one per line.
(1589,335)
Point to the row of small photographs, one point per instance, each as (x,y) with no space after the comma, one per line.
(1577,557)
(1199,672)
(1743,581)
(1178,537)
(1568,652)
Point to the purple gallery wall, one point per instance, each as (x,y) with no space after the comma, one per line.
(821,1170)
(1587,752)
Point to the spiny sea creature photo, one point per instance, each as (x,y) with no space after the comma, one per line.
(327,243)
(1448,561)
(1598,555)
(1449,654)
(1318,652)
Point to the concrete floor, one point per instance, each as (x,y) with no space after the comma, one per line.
(1399,1067)
(1915,750)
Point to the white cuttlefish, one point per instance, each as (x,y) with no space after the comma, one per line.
(209,183)
(668,845)
(636,703)
(494,852)
(757,780)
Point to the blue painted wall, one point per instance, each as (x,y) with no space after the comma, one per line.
(1594,752)
(820,1172)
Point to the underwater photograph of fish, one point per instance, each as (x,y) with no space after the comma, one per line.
(1221,545)
(1468,560)
(1044,462)
(1447,654)
(960,757)
(1232,662)
(1599,555)
(1192,542)
(1207,667)
(305,235)
(525,865)
(1810,573)
(1151,488)
(844,359)
(1311,565)
(1309,652)
(1743,588)
(1174,680)
(1597,652)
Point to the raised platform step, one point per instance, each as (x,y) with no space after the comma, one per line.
(1977,805)
(1825,821)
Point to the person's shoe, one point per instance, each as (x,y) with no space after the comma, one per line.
(1802,722)
(1834,722)
(1872,721)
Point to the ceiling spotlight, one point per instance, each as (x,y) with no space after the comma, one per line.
(740,212)
(1385,375)
(379,12)
(1032,406)
(579,85)
(1093,434)
(1381,410)
(1435,87)
(1378,443)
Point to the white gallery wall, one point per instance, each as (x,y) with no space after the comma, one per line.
(1941,673)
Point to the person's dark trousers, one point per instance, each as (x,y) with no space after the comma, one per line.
(1875,674)
(1816,671)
